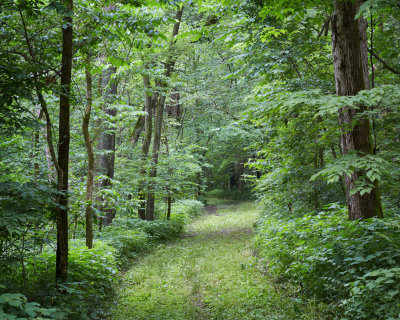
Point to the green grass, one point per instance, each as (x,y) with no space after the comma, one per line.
(209,274)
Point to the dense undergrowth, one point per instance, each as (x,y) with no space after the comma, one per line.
(93,274)
(353,266)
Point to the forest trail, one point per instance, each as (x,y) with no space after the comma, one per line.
(211,273)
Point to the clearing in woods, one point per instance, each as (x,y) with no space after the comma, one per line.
(211,273)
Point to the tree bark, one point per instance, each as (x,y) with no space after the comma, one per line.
(170,173)
(159,118)
(90,153)
(63,146)
(148,119)
(350,60)
(137,130)
(107,140)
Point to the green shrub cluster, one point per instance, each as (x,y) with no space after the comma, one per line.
(14,306)
(131,236)
(92,273)
(188,208)
(353,265)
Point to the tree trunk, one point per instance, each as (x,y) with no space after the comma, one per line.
(159,118)
(107,140)
(169,201)
(36,141)
(170,173)
(90,153)
(63,146)
(137,130)
(350,62)
(154,157)
(148,119)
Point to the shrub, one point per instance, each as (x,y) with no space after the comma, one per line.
(15,306)
(376,295)
(90,280)
(162,230)
(92,273)
(332,258)
(128,239)
(191,208)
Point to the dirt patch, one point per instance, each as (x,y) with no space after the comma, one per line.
(198,302)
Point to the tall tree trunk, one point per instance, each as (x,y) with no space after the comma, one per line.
(154,157)
(107,140)
(63,146)
(350,62)
(170,173)
(159,118)
(90,153)
(148,119)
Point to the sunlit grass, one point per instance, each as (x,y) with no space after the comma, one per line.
(229,217)
(210,274)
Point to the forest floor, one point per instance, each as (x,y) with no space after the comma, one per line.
(211,273)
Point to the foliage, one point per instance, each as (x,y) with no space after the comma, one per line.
(92,274)
(127,239)
(189,208)
(15,306)
(132,236)
(374,295)
(334,259)
(248,102)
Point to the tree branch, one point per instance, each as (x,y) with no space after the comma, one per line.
(43,105)
(384,63)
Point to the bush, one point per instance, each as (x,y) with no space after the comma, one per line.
(131,236)
(190,208)
(334,259)
(91,275)
(15,306)
(376,295)
(128,239)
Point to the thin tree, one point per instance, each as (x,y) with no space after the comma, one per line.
(63,144)
(90,153)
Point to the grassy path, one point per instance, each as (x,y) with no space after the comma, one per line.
(209,274)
